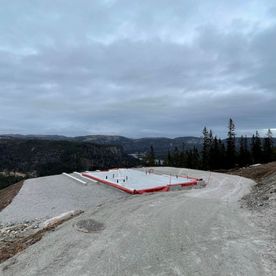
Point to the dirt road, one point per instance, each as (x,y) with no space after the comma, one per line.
(197,232)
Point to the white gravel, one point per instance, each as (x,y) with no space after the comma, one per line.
(46,197)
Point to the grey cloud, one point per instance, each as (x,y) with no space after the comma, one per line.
(147,68)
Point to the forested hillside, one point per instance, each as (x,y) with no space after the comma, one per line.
(216,154)
(161,144)
(45,157)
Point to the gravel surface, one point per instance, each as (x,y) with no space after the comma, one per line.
(195,232)
(46,197)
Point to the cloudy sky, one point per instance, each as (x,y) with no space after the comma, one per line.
(137,68)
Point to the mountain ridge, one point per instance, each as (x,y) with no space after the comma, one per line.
(130,145)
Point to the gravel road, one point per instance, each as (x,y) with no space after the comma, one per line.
(195,232)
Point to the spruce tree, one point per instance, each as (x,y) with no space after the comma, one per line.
(256,148)
(268,147)
(182,157)
(196,158)
(242,154)
(222,155)
(176,158)
(214,154)
(205,149)
(192,158)
(248,159)
(169,159)
(151,157)
(231,145)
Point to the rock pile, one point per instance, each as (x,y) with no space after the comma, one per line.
(13,231)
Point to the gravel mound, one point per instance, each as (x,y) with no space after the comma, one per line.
(262,195)
(45,197)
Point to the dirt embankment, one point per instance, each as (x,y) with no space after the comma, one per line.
(263,194)
(7,194)
(256,173)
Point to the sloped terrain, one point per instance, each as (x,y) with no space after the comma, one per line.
(8,194)
(195,232)
(45,197)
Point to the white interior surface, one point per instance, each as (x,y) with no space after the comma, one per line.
(138,180)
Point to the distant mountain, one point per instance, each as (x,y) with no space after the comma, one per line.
(39,157)
(34,137)
(161,144)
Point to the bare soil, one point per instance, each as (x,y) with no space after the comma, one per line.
(257,173)
(18,244)
(262,195)
(7,194)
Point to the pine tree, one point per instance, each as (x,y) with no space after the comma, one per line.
(211,138)
(169,159)
(256,148)
(205,149)
(182,156)
(268,147)
(196,158)
(242,154)
(248,159)
(215,154)
(176,158)
(231,145)
(192,159)
(151,157)
(222,155)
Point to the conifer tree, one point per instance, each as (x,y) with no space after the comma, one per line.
(242,154)
(268,147)
(231,145)
(192,160)
(248,159)
(151,157)
(196,158)
(169,159)
(215,154)
(176,157)
(205,148)
(256,148)
(222,154)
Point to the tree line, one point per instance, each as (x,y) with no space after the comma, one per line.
(218,154)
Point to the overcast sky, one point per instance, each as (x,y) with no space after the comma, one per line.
(137,68)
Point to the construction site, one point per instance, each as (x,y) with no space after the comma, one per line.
(139,182)
(143,221)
